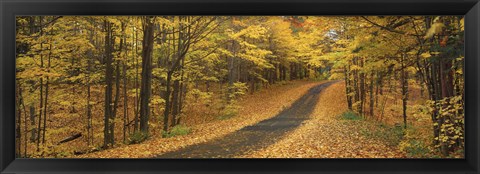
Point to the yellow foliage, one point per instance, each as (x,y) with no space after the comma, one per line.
(434,29)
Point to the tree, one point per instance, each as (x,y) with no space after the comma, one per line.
(146,86)
(168,72)
(108,115)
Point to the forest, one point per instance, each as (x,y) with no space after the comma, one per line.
(239,86)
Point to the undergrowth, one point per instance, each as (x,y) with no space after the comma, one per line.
(137,137)
(177,130)
(350,115)
(395,136)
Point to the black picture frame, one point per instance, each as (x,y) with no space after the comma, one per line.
(11,8)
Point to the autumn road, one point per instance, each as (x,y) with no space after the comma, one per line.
(255,136)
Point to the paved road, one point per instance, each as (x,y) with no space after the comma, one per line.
(255,136)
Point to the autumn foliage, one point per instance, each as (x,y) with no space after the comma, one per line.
(140,86)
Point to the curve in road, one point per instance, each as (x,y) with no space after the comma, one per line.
(255,136)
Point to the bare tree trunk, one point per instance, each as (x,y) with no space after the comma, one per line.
(32,124)
(231,73)
(404,77)
(348,86)
(136,102)
(378,87)
(107,142)
(115,101)
(18,122)
(175,101)
(46,97)
(167,103)
(371,94)
(356,87)
(362,88)
(125,99)
(89,107)
(292,71)
(41,105)
(166,112)
(25,128)
(41,94)
(146,84)
(182,95)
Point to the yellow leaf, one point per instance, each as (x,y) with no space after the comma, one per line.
(435,29)
(426,55)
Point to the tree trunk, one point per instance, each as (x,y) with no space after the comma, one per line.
(404,77)
(447,91)
(41,105)
(18,122)
(167,103)
(125,99)
(107,135)
(25,128)
(115,101)
(89,69)
(371,94)
(183,93)
(46,96)
(356,87)
(362,88)
(136,102)
(175,101)
(292,71)
(231,73)
(347,86)
(32,124)
(145,91)
(41,95)
(89,107)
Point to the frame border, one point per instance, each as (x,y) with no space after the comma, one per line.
(11,8)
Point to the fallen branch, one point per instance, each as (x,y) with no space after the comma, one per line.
(73,137)
(85,152)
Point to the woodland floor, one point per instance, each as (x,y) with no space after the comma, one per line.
(310,128)
(325,135)
(253,108)
(306,125)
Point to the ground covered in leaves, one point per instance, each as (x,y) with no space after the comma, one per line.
(257,136)
(328,135)
(254,108)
